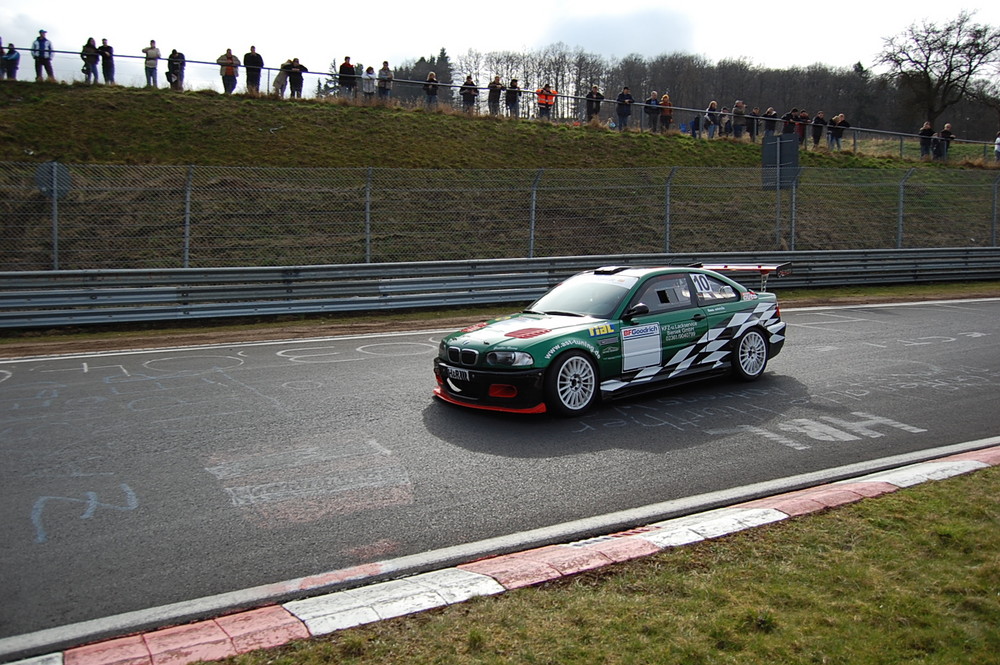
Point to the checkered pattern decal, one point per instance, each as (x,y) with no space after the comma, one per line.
(712,349)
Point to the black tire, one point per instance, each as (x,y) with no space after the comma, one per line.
(750,354)
(571,384)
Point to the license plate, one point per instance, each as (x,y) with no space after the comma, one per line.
(459,374)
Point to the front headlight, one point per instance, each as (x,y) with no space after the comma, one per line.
(510,358)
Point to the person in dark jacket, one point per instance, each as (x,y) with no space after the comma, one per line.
(593,103)
(431,86)
(623,108)
(295,70)
(347,76)
(926,135)
(469,92)
(652,111)
(818,123)
(90,57)
(107,61)
(253,63)
(176,62)
(512,98)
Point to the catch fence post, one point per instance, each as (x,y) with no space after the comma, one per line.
(900,213)
(55,216)
(534,210)
(368,215)
(666,211)
(186,249)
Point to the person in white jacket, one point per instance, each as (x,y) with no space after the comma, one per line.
(41,51)
(152,59)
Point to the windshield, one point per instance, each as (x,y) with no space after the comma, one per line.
(586,295)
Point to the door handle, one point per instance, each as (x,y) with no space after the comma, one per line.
(699,317)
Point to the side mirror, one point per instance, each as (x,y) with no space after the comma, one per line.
(638,309)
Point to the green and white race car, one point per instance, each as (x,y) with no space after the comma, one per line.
(610,332)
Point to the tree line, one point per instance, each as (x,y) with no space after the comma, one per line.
(937,73)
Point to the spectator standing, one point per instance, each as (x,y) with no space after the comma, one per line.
(652,110)
(90,57)
(996,148)
(347,77)
(623,108)
(696,125)
(295,71)
(512,98)
(469,91)
(789,119)
(753,123)
(107,62)
(926,135)
(229,70)
(837,130)
(11,61)
(494,89)
(546,98)
(818,123)
(712,118)
(384,81)
(176,62)
(800,127)
(666,113)
(253,63)
(152,59)
(945,137)
(726,120)
(739,119)
(431,90)
(281,79)
(368,83)
(41,51)
(593,103)
(3,71)
(770,120)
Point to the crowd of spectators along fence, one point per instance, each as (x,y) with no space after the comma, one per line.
(572,109)
(57,216)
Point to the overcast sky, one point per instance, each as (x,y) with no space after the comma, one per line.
(777,35)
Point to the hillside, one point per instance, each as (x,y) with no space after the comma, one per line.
(97,124)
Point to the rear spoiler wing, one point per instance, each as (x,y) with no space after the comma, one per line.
(779,269)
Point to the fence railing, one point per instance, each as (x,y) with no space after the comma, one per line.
(73,217)
(47,298)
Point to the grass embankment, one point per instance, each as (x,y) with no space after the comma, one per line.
(904,578)
(112,125)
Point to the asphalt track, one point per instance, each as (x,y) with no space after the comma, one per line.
(857,391)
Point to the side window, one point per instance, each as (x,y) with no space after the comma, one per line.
(711,290)
(663,294)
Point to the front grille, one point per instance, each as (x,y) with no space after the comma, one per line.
(462,356)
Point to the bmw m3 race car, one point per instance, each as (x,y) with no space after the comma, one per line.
(605,333)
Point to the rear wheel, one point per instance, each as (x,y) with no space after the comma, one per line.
(750,355)
(571,384)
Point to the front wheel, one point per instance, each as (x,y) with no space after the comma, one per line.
(571,384)
(750,355)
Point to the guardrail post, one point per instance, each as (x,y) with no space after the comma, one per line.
(666,211)
(186,250)
(900,213)
(534,208)
(368,215)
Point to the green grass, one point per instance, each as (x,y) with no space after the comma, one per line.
(116,125)
(910,577)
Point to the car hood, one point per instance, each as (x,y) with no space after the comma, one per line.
(523,329)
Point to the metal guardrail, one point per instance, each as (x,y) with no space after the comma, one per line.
(73,297)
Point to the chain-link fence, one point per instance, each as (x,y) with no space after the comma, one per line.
(59,216)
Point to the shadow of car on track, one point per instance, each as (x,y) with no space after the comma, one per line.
(671,419)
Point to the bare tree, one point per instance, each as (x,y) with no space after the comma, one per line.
(938,64)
